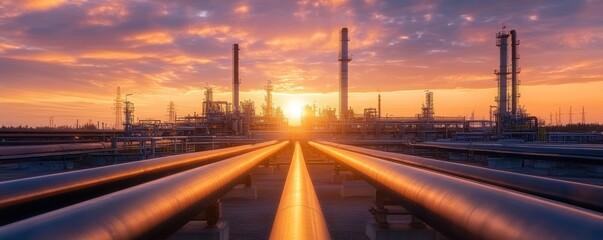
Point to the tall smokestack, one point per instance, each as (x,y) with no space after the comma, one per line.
(343,74)
(379,105)
(235,78)
(514,71)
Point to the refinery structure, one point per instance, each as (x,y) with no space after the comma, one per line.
(239,117)
(231,172)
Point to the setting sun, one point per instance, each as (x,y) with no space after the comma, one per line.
(293,111)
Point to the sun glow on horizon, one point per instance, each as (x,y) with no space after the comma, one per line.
(293,111)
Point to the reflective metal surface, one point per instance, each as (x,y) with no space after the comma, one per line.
(465,209)
(152,210)
(579,194)
(36,189)
(17,150)
(299,215)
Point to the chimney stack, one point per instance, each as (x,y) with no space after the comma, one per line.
(235,78)
(343,74)
(514,72)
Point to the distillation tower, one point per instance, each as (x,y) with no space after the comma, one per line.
(511,121)
(502,73)
(514,71)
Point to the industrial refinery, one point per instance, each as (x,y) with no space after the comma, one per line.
(239,118)
(230,166)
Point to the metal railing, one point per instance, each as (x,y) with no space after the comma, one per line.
(465,209)
(148,211)
(299,215)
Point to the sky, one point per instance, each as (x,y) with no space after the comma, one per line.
(65,58)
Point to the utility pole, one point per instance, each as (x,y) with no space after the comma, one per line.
(570,116)
(583,116)
(560,114)
(551,119)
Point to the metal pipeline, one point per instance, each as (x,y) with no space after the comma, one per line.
(466,209)
(18,150)
(299,215)
(579,194)
(23,198)
(148,211)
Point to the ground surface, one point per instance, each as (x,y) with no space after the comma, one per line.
(252,219)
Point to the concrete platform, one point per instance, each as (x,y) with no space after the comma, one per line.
(399,230)
(198,230)
(356,188)
(263,170)
(337,178)
(240,191)
(342,176)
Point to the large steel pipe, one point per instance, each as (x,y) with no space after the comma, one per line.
(299,215)
(554,152)
(148,211)
(26,197)
(19,150)
(579,194)
(465,209)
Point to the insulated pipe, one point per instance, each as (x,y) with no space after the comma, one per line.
(299,215)
(149,211)
(465,209)
(19,150)
(579,194)
(30,194)
(514,96)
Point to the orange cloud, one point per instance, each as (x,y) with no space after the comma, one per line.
(183,59)
(107,13)
(152,38)
(319,40)
(113,55)
(206,31)
(8,46)
(221,33)
(366,39)
(37,5)
(572,67)
(579,38)
(242,9)
(467,79)
(328,3)
(49,57)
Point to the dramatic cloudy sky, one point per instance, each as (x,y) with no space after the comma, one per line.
(65,58)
